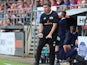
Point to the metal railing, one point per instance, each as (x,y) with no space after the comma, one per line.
(23,15)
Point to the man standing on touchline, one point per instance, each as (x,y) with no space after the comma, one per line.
(47,33)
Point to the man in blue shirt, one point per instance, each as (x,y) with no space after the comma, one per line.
(63,33)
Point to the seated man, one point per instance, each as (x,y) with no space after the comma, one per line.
(72,52)
(70,46)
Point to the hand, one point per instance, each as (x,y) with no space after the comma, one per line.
(49,36)
(40,35)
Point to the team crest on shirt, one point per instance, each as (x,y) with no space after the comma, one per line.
(51,17)
(44,18)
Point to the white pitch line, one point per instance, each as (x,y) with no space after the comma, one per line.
(7,64)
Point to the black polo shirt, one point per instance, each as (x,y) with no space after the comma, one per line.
(47,20)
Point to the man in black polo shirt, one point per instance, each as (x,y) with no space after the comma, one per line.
(47,33)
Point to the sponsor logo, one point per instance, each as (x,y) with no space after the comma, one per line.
(48,23)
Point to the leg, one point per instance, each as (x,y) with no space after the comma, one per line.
(67,38)
(71,52)
(66,48)
(61,52)
(42,43)
(52,52)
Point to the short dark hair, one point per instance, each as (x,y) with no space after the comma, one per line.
(47,4)
(64,13)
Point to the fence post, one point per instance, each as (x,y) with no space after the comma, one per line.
(4,10)
(35,27)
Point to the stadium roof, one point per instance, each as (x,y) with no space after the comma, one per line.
(75,11)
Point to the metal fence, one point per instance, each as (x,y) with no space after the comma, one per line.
(25,15)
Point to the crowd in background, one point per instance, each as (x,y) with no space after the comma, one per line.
(65,3)
(16,11)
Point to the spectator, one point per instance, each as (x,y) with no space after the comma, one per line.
(66,5)
(60,2)
(53,2)
(48,1)
(25,5)
(13,6)
(74,3)
(41,2)
(17,9)
(1,24)
(83,2)
(8,22)
(37,3)
(28,3)
(7,16)
(1,7)
(79,1)
(19,4)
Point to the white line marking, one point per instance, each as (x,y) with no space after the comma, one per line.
(7,64)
